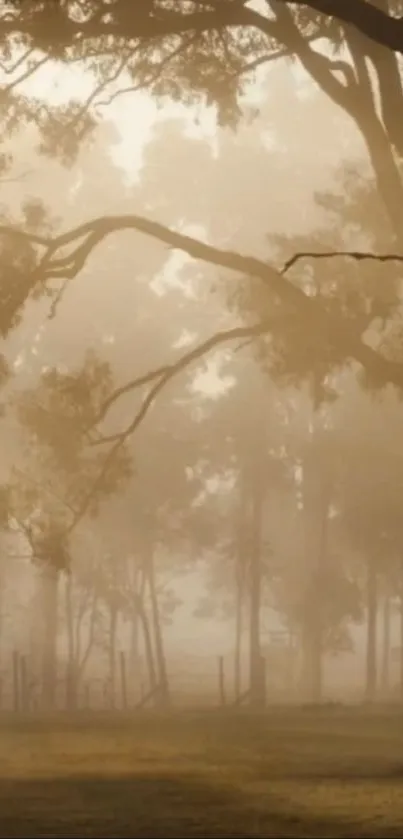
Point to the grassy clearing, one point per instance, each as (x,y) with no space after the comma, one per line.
(289,773)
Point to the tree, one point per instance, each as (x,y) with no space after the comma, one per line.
(262,32)
(56,416)
(201,52)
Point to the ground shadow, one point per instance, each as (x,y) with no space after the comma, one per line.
(151,806)
(320,773)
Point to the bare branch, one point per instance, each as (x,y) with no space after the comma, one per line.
(162,379)
(28,72)
(100,88)
(168,371)
(358,256)
(58,299)
(133,384)
(24,57)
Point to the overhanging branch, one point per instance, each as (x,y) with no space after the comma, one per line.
(371,21)
(133,21)
(81,240)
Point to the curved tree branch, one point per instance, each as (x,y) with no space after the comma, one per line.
(168,371)
(371,21)
(161,378)
(249,333)
(328,327)
(358,256)
(29,71)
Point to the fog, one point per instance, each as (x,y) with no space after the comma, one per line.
(237,436)
(201,374)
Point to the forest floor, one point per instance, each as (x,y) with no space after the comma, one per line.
(288,773)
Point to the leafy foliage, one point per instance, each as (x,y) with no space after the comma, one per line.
(50,546)
(58,415)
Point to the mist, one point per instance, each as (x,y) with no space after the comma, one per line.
(201,414)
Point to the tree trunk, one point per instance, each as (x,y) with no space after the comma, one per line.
(238,632)
(50,579)
(356,98)
(401,631)
(241,527)
(316,503)
(148,647)
(2,604)
(321,594)
(386,65)
(372,610)
(257,692)
(378,135)
(389,184)
(35,645)
(135,659)
(386,646)
(113,623)
(312,662)
(71,669)
(164,696)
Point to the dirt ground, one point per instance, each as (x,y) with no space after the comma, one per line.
(298,773)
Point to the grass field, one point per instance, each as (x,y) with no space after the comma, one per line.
(289,773)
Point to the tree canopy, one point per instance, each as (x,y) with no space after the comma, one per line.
(194,51)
